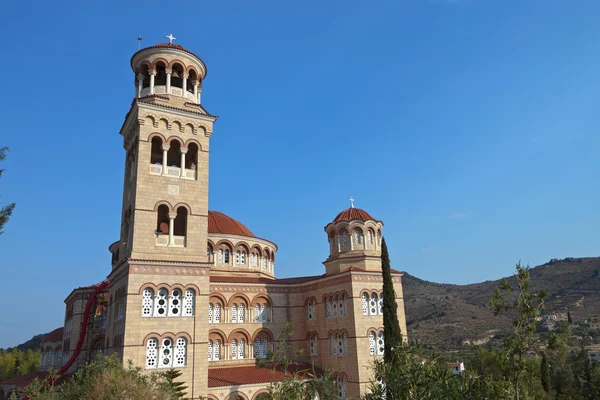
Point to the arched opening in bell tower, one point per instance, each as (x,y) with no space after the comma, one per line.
(180,227)
(162,220)
(156,153)
(191,158)
(146,76)
(177,76)
(191,78)
(174,154)
(161,74)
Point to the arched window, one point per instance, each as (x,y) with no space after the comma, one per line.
(372,344)
(370,237)
(380,304)
(373,304)
(226,256)
(210,350)
(220,256)
(243,258)
(191,157)
(264,262)
(264,348)
(365,303)
(312,310)
(180,224)
(357,236)
(188,303)
(344,304)
(333,344)
(313,345)
(344,239)
(342,386)
(241,310)
(174,154)
(192,77)
(210,313)
(257,313)
(175,303)
(180,353)
(335,301)
(242,349)
(257,352)
(340,344)
(162,220)
(147,302)
(151,353)
(156,153)
(329,305)
(161,76)
(160,303)
(238,256)
(217,313)
(177,76)
(234,351)
(166,353)
(217,350)
(234,313)
(380,343)
(340,302)
(263,313)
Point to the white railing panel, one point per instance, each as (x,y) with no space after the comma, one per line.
(156,169)
(173,171)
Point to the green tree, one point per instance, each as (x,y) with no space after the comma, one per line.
(525,308)
(171,375)
(545,373)
(569,317)
(391,326)
(6,211)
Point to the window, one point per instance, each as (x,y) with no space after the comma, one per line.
(160,303)
(335,302)
(210,313)
(217,313)
(234,313)
(263,313)
(242,349)
(312,310)
(344,239)
(329,308)
(313,345)
(151,353)
(339,344)
(380,343)
(260,312)
(257,352)
(264,262)
(188,303)
(263,348)
(344,305)
(372,344)
(241,309)
(333,345)
(166,353)
(342,383)
(381,304)
(217,350)
(243,258)
(260,347)
(226,256)
(257,313)
(180,352)
(220,256)
(357,236)
(238,257)
(234,352)
(373,304)
(210,350)
(175,303)
(147,302)
(370,237)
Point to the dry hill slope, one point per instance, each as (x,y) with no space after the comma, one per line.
(447,315)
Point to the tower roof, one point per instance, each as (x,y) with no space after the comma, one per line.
(353,214)
(224,224)
(54,336)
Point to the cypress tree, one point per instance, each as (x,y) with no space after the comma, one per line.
(569,318)
(171,375)
(545,373)
(391,326)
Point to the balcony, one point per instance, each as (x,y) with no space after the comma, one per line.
(175,91)
(173,172)
(163,241)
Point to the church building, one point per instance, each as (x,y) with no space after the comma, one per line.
(194,289)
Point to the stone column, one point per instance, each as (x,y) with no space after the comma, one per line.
(152,74)
(171,228)
(351,241)
(165,149)
(169,71)
(184,86)
(140,79)
(195,83)
(339,243)
(183,153)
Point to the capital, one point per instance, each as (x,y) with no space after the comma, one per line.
(140,77)
(152,72)
(172,216)
(166,147)
(184,150)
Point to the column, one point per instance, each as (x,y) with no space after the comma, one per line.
(200,96)
(165,149)
(351,240)
(184,86)
(171,227)
(140,85)
(152,74)
(364,238)
(339,244)
(183,153)
(195,83)
(169,71)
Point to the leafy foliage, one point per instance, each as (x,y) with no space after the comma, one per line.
(171,375)
(15,362)
(6,211)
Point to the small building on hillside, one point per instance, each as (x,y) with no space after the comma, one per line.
(593,353)
(457,368)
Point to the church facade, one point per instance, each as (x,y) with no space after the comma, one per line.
(194,289)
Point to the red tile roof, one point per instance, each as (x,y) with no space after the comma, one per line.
(221,223)
(233,376)
(54,336)
(353,214)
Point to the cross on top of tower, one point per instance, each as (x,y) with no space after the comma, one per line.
(171,38)
(351,202)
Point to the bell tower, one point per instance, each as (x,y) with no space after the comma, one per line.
(166,138)
(354,241)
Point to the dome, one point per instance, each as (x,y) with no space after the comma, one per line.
(220,223)
(353,214)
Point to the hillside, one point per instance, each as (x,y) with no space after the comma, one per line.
(447,315)
(35,343)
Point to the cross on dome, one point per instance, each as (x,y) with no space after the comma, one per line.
(351,202)
(171,38)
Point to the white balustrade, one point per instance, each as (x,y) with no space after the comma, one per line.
(190,96)
(160,89)
(163,241)
(174,171)
(156,169)
(177,91)
(189,174)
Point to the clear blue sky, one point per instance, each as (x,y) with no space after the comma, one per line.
(470,127)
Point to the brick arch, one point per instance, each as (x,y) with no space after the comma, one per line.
(238,331)
(185,335)
(262,296)
(172,139)
(212,397)
(149,336)
(218,332)
(309,299)
(158,135)
(177,61)
(267,333)
(194,287)
(235,395)
(163,202)
(237,296)
(148,285)
(218,296)
(140,65)
(260,392)
(184,205)
(157,60)
(190,141)
(178,286)
(227,242)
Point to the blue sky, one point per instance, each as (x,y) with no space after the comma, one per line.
(468,126)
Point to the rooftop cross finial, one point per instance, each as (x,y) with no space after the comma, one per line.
(171,38)
(351,202)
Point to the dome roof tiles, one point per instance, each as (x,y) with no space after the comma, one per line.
(220,223)
(353,214)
